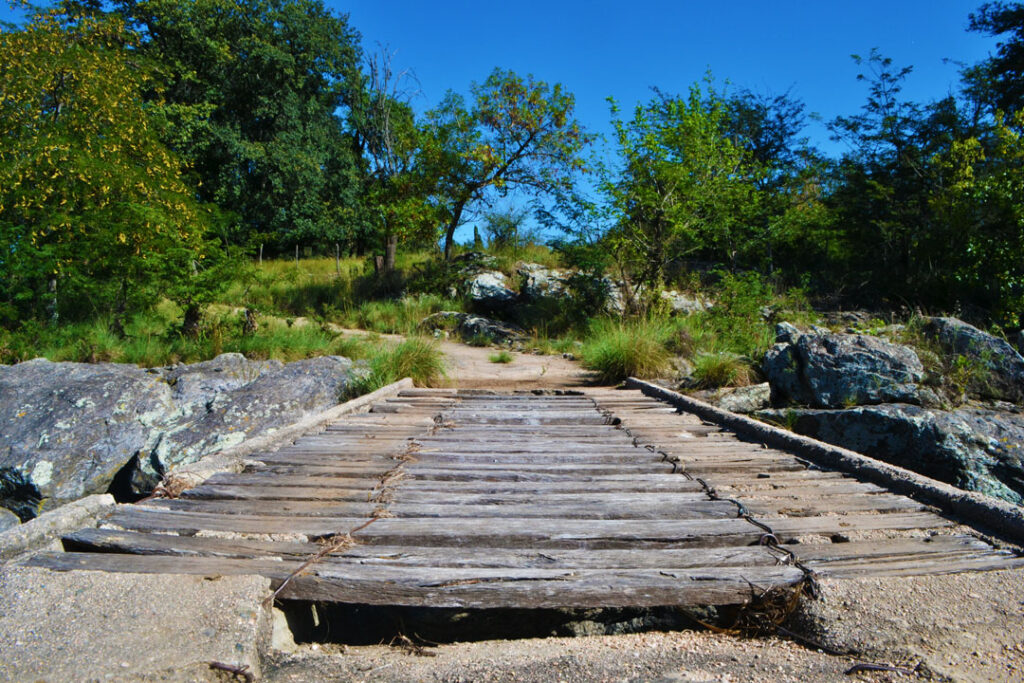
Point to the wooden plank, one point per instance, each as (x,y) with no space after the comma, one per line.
(409,492)
(798,526)
(493,473)
(498,532)
(445,510)
(479,588)
(130,542)
(821,504)
(267,484)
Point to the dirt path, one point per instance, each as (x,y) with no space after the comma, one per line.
(470,367)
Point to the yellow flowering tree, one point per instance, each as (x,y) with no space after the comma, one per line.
(94,215)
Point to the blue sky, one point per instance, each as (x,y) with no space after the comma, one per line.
(600,48)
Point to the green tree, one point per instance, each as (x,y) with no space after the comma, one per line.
(518,136)
(256,91)
(685,186)
(999,80)
(94,216)
(392,142)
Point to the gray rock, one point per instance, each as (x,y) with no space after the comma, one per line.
(974,449)
(836,370)
(67,428)
(786,333)
(199,383)
(616,304)
(473,327)
(488,290)
(683,304)
(538,282)
(268,397)
(8,520)
(743,400)
(1003,367)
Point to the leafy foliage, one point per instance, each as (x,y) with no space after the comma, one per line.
(520,135)
(253,89)
(94,215)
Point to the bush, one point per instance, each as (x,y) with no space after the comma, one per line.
(617,350)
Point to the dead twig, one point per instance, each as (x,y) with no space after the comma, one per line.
(403,642)
(236,671)
(867,666)
(331,544)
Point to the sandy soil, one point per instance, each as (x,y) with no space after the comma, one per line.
(470,367)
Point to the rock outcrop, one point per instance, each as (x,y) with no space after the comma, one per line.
(538,282)
(471,327)
(972,448)
(828,370)
(1000,373)
(71,429)
(488,290)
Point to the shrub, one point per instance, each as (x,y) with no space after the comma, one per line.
(617,350)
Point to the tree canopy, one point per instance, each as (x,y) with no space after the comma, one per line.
(94,214)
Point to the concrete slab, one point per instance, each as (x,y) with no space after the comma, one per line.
(84,625)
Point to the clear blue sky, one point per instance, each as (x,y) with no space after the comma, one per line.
(603,48)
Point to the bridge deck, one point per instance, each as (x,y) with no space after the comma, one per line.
(462,499)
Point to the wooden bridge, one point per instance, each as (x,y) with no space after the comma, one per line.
(596,498)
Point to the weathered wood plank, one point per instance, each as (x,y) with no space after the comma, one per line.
(623,509)
(460,587)
(468,532)
(268,484)
(109,540)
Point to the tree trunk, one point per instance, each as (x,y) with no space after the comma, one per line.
(449,235)
(390,250)
(51,308)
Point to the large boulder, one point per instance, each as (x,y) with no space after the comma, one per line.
(1000,373)
(68,430)
(471,327)
(974,449)
(488,290)
(837,370)
(255,398)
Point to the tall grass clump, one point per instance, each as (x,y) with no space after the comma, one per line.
(418,358)
(617,350)
(722,369)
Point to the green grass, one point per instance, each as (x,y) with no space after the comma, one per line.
(397,317)
(500,357)
(617,350)
(417,357)
(723,369)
